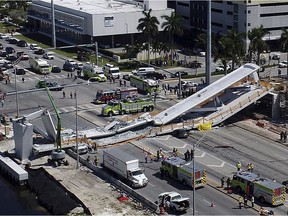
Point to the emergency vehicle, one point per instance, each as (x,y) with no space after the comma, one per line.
(144,85)
(264,189)
(182,171)
(40,66)
(116,107)
(103,96)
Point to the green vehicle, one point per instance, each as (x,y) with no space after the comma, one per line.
(266,190)
(117,107)
(145,85)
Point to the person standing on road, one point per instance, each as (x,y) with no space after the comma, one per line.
(222,182)
(245,201)
(71,95)
(252,201)
(23,79)
(228,182)
(146,157)
(251,167)
(240,201)
(238,166)
(64,95)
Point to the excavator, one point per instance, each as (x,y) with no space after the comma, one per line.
(57,155)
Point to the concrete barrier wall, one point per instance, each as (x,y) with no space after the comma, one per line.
(102,174)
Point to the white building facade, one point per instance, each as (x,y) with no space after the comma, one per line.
(242,15)
(85,21)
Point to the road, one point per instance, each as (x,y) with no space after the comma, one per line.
(270,159)
(223,205)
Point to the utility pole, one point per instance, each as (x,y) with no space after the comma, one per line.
(53,25)
(17,102)
(193,158)
(180,85)
(77,146)
(208,52)
(96,52)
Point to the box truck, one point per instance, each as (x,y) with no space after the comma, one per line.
(125,166)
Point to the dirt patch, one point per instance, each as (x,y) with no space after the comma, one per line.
(98,196)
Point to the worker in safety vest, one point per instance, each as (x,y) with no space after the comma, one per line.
(252,167)
(249,167)
(238,165)
(240,201)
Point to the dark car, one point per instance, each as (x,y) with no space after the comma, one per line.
(56,69)
(20,71)
(155,76)
(22,43)
(181,133)
(11,58)
(285,183)
(68,67)
(196,64)
(1,46)
(39,51)
(3,53)
(13,41)
(53,85)
(10,50)
(183,73)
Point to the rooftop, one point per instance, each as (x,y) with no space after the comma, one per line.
(96,6)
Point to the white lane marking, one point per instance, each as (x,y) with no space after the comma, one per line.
(151,184)
(222,165)
(280,156)
(201,156)
(209,203)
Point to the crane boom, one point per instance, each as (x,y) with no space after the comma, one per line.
(58,129)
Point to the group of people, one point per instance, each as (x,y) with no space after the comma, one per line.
(228,182)
(243,201)
(122,83)
(283,136)
(189,155)
(250,166)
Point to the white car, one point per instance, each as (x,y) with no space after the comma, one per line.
(283,64)
(48,55)
(202,54)
(70,61)
(174,201)
(34,47)
(221,68)
(79,65)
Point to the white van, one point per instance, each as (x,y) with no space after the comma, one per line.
(143,71)
(83,149)
(97,71)
(111,71)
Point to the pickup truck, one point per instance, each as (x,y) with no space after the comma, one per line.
(173,201)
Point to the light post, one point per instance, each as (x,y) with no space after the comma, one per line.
(269,48)
(193,158)
(180,85)
(17,102)
(76,104)
(196,43)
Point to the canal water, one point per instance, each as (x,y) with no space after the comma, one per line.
(18,201)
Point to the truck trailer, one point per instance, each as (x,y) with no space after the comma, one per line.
(125,166)
(266,190)
(182,171)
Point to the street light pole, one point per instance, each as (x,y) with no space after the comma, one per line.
(76,104)
(180,85)
(17,102)
(193,158)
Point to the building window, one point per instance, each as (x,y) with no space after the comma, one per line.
(216,10)
(235,17)
(249,11)
(249,24)
(249,1)
(229,27)
(216,24)
(229,3)
(229,13)
(183,4)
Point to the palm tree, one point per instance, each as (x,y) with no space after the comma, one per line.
(173,25)
(149,26)
(257,44)
(284,43)
(236,40)
(223,51)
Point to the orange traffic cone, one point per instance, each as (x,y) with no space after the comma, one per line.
(212,204)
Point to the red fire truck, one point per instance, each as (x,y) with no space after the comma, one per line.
(103,96)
